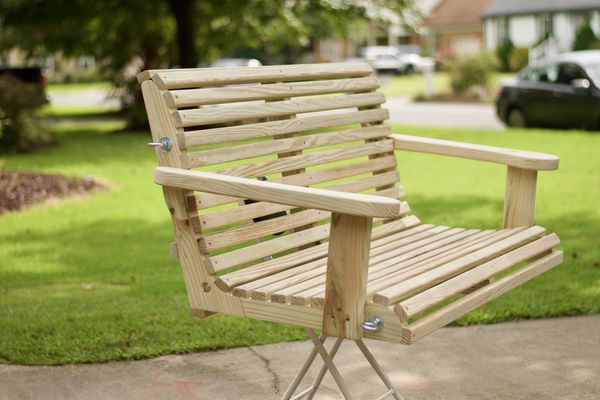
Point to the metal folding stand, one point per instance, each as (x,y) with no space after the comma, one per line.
(328,365)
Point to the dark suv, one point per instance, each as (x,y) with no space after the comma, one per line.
(560,92)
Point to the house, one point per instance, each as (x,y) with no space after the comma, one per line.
(455,27)
(528,22)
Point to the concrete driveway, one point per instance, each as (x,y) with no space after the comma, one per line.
(450,115)
(530,360)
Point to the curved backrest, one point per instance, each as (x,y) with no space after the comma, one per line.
(313,125)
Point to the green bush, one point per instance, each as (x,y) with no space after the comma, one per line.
(584,38)
(503,52)
(519,58)
(20,128)
(471,72)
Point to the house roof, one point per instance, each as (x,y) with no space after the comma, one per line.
(512,7)
(457,13)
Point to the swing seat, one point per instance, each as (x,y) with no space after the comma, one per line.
(284,194)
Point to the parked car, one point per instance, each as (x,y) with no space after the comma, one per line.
(26,74)
(561,92)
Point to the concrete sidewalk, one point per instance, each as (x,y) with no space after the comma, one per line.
(546,359)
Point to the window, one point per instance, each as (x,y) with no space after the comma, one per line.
(569,72)
(548,73)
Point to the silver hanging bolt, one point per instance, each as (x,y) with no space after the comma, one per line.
(373,324)
(164,143)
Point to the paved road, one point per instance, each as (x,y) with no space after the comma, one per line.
(531,360)
(451,115)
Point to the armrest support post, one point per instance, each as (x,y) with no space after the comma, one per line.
(519,198)
(346,280)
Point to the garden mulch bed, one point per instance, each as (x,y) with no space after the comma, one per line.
(19,189)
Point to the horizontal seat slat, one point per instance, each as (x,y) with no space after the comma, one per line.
(430,297)
(456,309)
(197,77)
(293,276)
(403,270)
(281,127)
(207,200)
(269,91)
(287,261)
(218,115)
(308,160)
(447,271)
(240,152)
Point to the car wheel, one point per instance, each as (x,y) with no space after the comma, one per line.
(409,70)
(516,118)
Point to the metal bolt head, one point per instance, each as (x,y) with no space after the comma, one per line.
(164,143)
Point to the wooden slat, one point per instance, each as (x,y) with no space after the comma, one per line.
(233,94)
(218,115)
(197,77)
(447,271)
(240,152)
(307,160)
(208,200)
(274,128)
(269,247)
(260,229)
(282,263)
(272,283)
(346,279)
(315,277)
(519,197)
(454,310)
(462,282)
(399,269)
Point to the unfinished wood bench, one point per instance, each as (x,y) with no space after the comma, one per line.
(283,190)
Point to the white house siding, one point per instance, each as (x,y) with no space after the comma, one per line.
(595,22)
(522,30)
(490,29)
(564,30)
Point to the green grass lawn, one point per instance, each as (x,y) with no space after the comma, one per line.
(69,87)
(91,280)
(414,85)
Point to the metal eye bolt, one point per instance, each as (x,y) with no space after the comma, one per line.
(373,324)
(165,144)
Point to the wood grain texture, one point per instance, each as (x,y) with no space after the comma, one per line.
(198,77)
(321,199)
(449,313)
(274,128)
(269,91)
(428,298)
(216,115)
(514,158)
(519,197)
(346,279)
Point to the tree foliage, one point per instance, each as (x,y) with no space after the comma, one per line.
(584,38)
(165,33)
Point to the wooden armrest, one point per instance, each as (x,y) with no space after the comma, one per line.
(510,157)
(322,199)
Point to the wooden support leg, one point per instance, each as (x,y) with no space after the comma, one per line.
(346,278)
(519,199)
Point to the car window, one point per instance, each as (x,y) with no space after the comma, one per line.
(547,73)
(569,72)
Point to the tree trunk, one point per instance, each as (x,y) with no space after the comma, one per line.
(184,12)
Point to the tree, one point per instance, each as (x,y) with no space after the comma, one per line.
(164,33)
(584,37)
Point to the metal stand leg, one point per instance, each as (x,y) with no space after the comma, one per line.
(327,357)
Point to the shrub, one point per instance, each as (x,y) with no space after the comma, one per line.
(503,52)
(20,128)
(519,58)
(584,37)
(471,72)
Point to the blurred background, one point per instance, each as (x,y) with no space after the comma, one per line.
(90,279)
